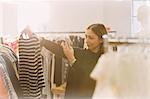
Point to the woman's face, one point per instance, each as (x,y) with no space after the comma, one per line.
(92,40)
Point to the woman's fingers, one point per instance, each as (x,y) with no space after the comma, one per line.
(64,45)
(68,51)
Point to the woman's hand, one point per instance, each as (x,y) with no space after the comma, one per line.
(68,51)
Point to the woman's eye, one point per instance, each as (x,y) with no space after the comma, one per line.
(91,38)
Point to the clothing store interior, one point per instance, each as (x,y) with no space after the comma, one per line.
(80,49)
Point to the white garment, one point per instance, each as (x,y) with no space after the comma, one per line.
(103,89)
(47,56)
(127,71)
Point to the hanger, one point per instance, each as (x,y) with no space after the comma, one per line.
(26,33)
(1,40)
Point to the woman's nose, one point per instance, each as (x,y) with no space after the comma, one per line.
(87,40)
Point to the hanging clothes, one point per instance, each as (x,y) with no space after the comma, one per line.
(9,60)
(123,75)
(47,58)
(77,41)
(12,75)
(58,71)
(7,51)
(8,85)
(3,89)
(30,67)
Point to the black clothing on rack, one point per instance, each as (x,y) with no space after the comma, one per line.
(77,42)
(58,71)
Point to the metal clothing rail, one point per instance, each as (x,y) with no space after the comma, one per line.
(121,39)
(124,40)
(51,35)
(43,34)
(61,33)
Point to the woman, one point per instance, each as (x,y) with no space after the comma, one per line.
(79,83)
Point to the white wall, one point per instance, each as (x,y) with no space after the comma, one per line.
(1,19)
(34,14)
(67,15)
(9,19)
(74,15)
(59,15)
(117,14)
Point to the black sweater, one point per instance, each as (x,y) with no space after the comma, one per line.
(79,83)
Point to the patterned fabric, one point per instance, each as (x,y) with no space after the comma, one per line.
(7,82)
(30,67)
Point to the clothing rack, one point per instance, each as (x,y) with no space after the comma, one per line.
(45,34)
(78,33)
(61,32)
(59,66)
(9,64)
(126,39)
(76,39)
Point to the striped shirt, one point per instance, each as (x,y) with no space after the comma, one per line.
(30,67)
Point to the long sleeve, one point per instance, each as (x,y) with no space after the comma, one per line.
(30,67)
(58,51)
(53,47)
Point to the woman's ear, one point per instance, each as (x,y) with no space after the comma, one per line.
(101,40)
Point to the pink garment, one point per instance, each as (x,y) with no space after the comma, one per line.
(3,90)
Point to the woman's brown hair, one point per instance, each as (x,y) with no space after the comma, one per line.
(98,29)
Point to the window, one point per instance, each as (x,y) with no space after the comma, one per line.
(135,5)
